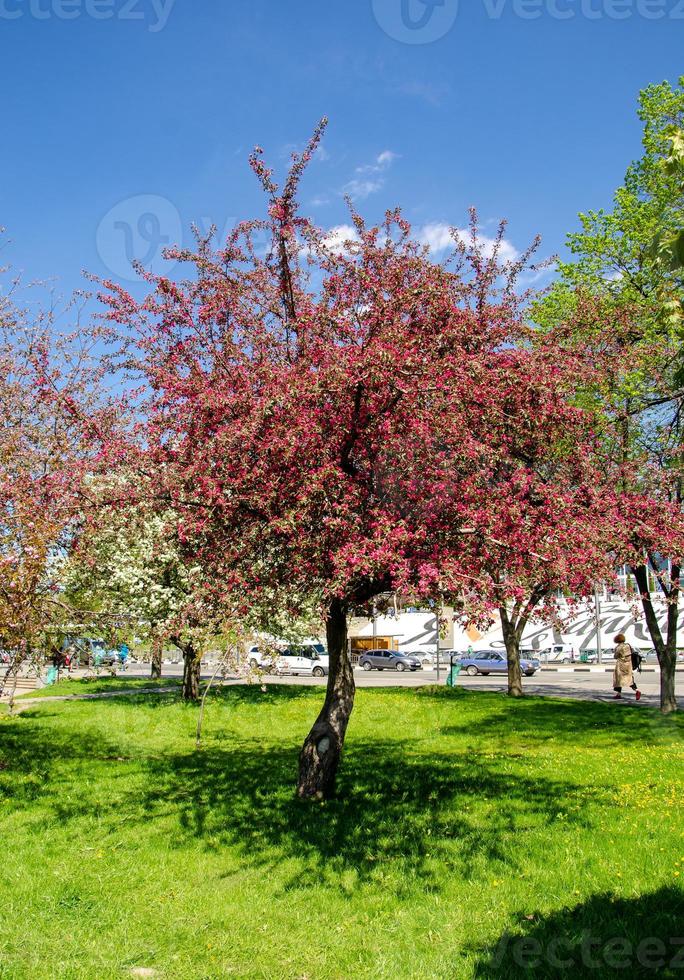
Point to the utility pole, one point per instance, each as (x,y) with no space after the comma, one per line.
(597,611)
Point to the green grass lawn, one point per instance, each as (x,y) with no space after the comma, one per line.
(464,822)
(99,685)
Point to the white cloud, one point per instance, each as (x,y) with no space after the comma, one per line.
(360,189)
(339,239)
(382,162)
(438,237)
(370,177)
(385,159)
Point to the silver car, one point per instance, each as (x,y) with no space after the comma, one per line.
(389,660)
(492,662)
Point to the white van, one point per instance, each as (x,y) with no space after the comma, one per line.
(309,657)
(261,659)
(558,653)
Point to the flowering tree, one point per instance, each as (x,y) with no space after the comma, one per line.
(327,419)
(48,387)
(127,569)
(629,259)
(544,508)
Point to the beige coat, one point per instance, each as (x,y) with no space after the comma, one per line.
(623,675)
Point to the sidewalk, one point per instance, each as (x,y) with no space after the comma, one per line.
(24,702)
(601,668)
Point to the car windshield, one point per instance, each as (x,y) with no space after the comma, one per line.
(310,650)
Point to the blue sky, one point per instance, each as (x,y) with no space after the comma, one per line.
(125,120)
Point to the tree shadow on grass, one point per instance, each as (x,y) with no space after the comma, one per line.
(269,693)
(537,719)
(403,816)
(602,937)
(426,816)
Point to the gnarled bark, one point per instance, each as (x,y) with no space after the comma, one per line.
(156,667)
(512,642)
(513,626)
(665,647)
(192,668)
(320,756)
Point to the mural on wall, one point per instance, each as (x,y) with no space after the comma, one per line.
(416,631)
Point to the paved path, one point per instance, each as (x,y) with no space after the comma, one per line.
(593,684)
(587,685)
(23,702)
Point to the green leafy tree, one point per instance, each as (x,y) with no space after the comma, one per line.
(668,244)
(630,258)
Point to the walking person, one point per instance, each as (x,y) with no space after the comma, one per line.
(623,675)
(70,658)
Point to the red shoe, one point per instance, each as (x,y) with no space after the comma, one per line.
(637,695)
(617,697)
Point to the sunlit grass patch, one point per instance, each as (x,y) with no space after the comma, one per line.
(461,818)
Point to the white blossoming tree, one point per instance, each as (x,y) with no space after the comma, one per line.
(128,574)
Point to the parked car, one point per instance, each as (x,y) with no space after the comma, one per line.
(389,660)
(303,660)
(559,653)
(444,657)
(261,659)
(493,662)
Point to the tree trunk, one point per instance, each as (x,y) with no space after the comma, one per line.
(11,675)
(192,668)
(668,697)
(511,637)
(322,750)
(157,650)
(665,648)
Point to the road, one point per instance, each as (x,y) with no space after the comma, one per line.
(586,684)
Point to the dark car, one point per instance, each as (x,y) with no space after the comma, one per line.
(492,662)
(389,660)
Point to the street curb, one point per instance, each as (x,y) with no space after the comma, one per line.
(598,670)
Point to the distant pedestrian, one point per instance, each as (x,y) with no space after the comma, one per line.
(623,675)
